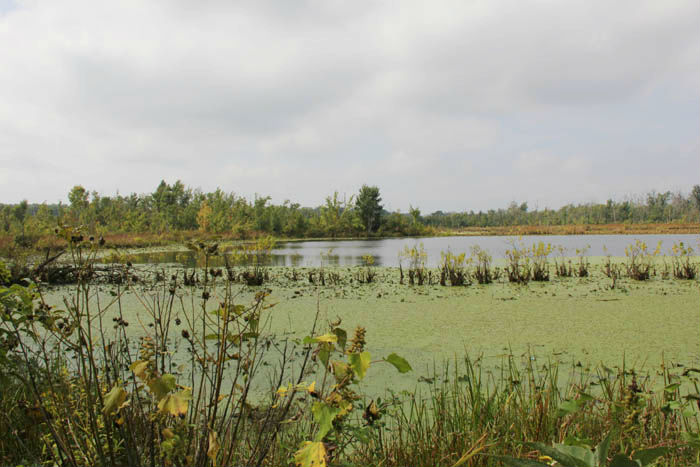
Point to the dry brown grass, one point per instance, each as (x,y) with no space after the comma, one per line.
(589,229)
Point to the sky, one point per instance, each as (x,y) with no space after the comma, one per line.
(445,105)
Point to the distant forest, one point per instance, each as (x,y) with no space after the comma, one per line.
(172,208)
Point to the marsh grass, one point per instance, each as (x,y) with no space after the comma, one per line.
(79,390)
(466,408)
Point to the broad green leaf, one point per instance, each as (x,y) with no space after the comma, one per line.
(342,336)
(114,399)
(360,363)
(647,456)
(672,387)
(513,462)
(324,415)
(568,407)
(160,387)
(601,451)
(175,404)
(586,456)
(310,455)
(691,438)
(399,363)
(323,355)
(620,460)
(559,456)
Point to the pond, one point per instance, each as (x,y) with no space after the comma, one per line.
(386,251)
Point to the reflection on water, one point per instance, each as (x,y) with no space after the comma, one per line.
(386,251)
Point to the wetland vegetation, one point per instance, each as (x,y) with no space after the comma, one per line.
(460,358)
(174,213)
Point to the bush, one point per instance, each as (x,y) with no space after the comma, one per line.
(640,260)
(453,268)
(416,257)
(682,267)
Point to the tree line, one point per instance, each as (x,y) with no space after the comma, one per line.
(652,208)
(175,207)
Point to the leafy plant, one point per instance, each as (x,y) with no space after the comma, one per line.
(453,268)
(683,268)
(572,455)
(344,365)
(366,274)
(416,257)
(540,263)
(518,263)
(483,271)
(640,260)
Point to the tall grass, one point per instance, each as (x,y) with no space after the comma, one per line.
(467,407)
(201,386)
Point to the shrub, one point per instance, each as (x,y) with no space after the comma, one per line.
(483,272)
(540,262)
(640,260)
(562,264)
(416,258)
(682,267)
(518,263)
(453,268)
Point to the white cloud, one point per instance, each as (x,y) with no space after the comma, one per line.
(443,104)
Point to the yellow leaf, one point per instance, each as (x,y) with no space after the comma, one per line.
(312,387)
(175,404)
(330,338)
(311,455)
(161,386)
(214,447)
(139,368)
(114,399)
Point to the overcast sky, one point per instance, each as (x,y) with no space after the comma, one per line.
(452,105)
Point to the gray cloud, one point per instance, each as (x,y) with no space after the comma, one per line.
(449,105)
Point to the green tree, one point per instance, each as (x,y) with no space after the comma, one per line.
(20,212)
(695,195)
(370,210)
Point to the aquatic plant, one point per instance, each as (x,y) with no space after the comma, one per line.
(683,268)
(518,262)
(416,257)
(453,268)
(640,260)
(483,271)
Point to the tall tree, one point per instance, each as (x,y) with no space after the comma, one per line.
(695,194)
(370,210)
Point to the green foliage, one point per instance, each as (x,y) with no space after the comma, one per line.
(683,268)
(399,363)
(453,268)
(336,401)
(578,456)
(416,257)
(369,208)
(640,260)
(483,271)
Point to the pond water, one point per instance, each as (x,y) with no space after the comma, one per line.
(386,251)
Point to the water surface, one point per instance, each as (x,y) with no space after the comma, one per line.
(386,251)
